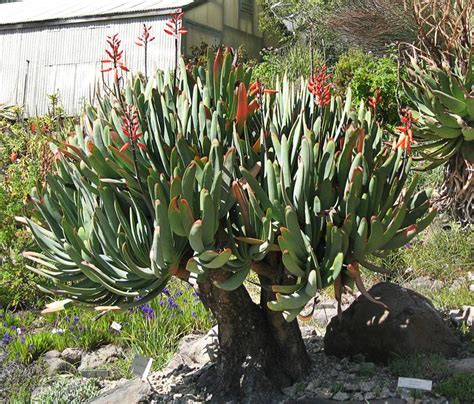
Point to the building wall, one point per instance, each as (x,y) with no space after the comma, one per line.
(223,22)
(66,60)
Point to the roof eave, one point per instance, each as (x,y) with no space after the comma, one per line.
(99,17)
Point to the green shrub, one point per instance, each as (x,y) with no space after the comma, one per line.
(294,61)
(365,74)
(24,160)
(346,66)
(459,386)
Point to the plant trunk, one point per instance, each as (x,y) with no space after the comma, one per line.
(456,195)
(260,352)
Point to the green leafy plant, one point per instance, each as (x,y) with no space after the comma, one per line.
(214,179)
(67,390)
(379,74)
(432,367)
(459,386)
(293,62)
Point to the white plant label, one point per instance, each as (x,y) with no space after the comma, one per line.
(417,384)
(141,366)
(115,326)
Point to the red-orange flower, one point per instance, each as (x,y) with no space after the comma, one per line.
(258,89)
(375,100)
(146,37)
(174,26)
(320,86)
(131,127)
(115,57)
(406,132)
(13,157)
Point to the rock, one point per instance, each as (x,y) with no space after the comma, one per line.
(341,396)
(458,284)
(370,395)
(195,351)
(411,325)
(52,354)
(462,365)
(425,282)
(134,391)
(367,386)
(465,315)
(324,392)
(358,397)
(72,355)
(101,357)
(58,366)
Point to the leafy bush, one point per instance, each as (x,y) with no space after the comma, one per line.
(24,160)
(346,66)
(459,386)
(365,74)
(295,62)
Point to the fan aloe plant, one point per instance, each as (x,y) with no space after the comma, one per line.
(230,181)
(440,87)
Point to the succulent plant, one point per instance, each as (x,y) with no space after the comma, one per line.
(440,88)
(444,99)
(224,179)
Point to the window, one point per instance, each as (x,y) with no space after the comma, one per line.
(247,6)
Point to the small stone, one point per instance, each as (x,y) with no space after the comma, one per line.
(324,392)
(101,357)
(58,366)
(370,395)
(52,354)
(350,387)
(385,393)
(341,396)
(358,397)
(367,386)
(72,355)
(310,387)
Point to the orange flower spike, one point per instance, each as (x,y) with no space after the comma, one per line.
(124,147)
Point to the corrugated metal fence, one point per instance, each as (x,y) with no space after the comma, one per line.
(65,59)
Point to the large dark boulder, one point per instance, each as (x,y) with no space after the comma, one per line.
(409,326)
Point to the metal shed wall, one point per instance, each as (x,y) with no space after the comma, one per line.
(65,59)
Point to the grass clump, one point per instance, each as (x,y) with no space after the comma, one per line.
(431,367)
(153,329)
(459,387)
